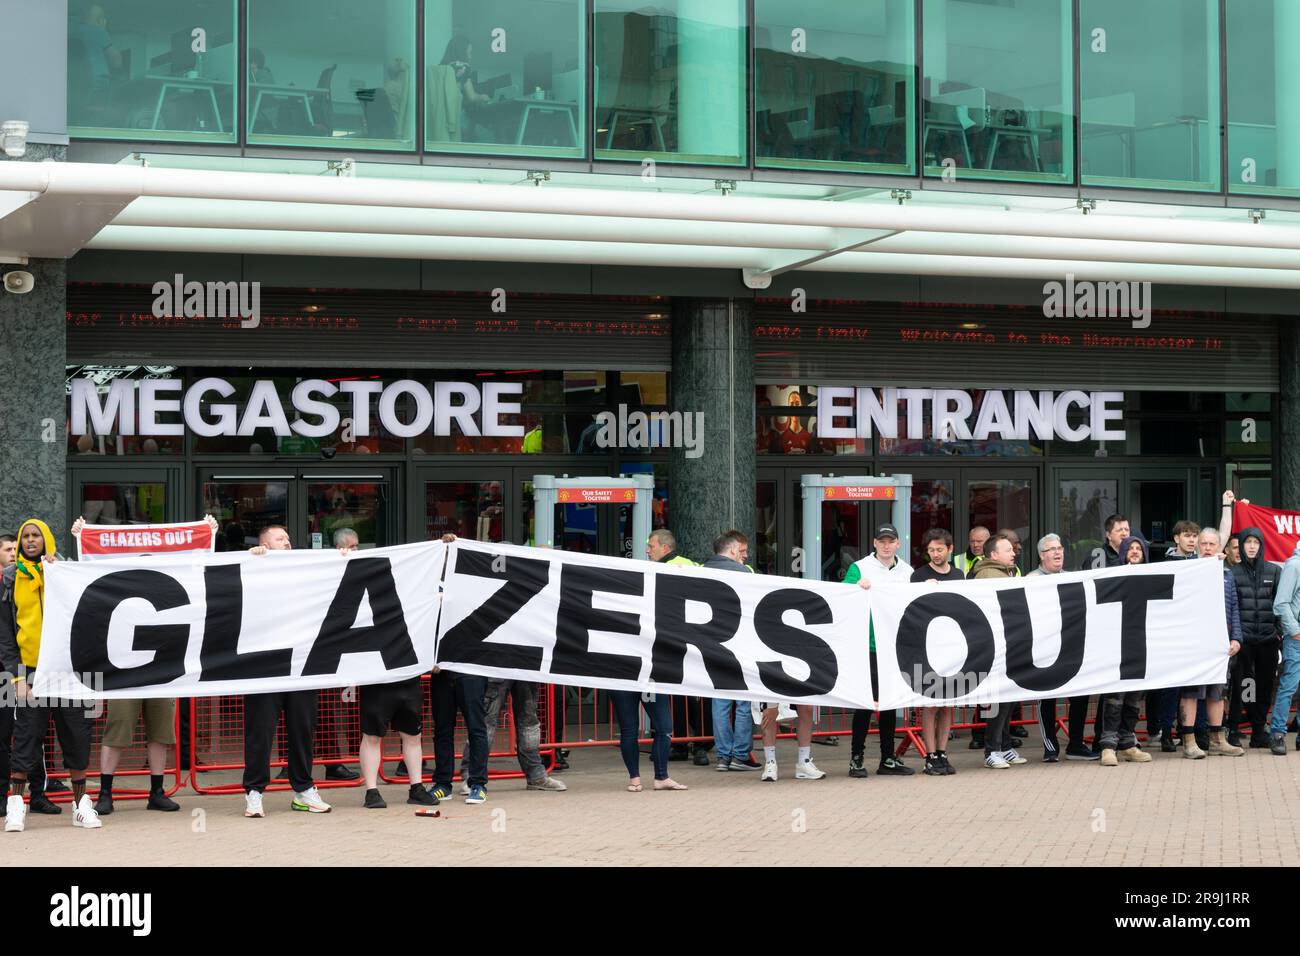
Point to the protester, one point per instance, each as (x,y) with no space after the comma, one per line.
(1256,664)
(936,722)
(733,739)
(882,566)
(1115,530)
(528,729)
(690,714)
(119,729)
(22,611)
(398,705)
(1286,607)
(627,705)
(1185,535)
(975,550)
(998,564)
(1118,710)
(1213,694)
(1051,560)
(262,714)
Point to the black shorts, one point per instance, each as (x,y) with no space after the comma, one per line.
(72,725)
(399,705)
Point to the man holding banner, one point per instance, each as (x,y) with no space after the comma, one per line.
(262,714)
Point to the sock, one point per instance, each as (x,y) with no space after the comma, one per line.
(78,790)
(105,783)
(415,788)
(20,788)
(805,754)
(156,782)
(769,754)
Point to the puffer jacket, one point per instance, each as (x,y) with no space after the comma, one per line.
(1256,589)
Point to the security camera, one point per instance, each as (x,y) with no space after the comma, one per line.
(19,283)
(328,453)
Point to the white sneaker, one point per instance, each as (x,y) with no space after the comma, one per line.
(310,801)
(253,804)
(85,815)
(769,771)
(1010,756)
(808,771)
(15,815)
(994,761)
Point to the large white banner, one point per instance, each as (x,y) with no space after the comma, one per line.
(565,618)
(203,625)
(1060,635)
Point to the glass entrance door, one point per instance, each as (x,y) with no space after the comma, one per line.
(469,503)
(1158,499)
(311,503)
(125,495)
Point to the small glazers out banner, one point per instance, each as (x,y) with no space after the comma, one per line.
(1281,529)
(563,618)
(237,623)
(1058,635)
(125,540)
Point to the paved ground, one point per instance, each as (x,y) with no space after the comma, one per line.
(1218,811)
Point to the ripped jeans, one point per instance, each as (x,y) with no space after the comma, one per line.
(528,729)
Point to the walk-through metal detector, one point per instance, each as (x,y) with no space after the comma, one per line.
(818,489)
(549,491)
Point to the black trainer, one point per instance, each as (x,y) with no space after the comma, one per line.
(857,766)
(948,768)
(1167,744)
(701,758)
(1259,741)
(1018,731)
(104,805)
(893,767)
(1277,744)
(420,796)
(341,772)
(158,800)
(40,803)
(1080,752)
(374,801)
(934,766)
(55,785)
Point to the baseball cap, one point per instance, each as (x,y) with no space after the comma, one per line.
(886,531)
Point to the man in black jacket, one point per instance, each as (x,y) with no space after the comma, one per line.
(1256,581)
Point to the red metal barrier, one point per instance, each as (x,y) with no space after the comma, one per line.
(133,763)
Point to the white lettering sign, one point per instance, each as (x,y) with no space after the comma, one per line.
(119,410)
(1071,416)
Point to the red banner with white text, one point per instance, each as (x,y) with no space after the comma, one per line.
(1281,529)
(130,540)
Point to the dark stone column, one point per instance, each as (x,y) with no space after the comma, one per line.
(713,373)
(1288,437)
(33,445)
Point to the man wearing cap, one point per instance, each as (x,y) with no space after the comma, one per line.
(880,567)
(1051,560)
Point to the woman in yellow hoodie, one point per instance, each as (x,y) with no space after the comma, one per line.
(22,611)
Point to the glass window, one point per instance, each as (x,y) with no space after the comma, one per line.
(115,443)
(505,76)
(786,424)
(670,80)
(347,505)
(1150,93)
(997,84)
(1083,504)
(124,502)
(1263,83)
(153,69)
(332,73)
(834,85)
(467,509)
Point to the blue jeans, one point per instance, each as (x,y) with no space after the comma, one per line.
(1286,685)
(737,742)
(627,704)
(463,692)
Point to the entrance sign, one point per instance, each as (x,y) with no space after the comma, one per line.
(1008,415)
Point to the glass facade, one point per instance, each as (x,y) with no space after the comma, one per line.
(1149,93)
(1263,86)
(332,73)
(505,77)
(153,69)
(834,86)
(670,80)
(997,90)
